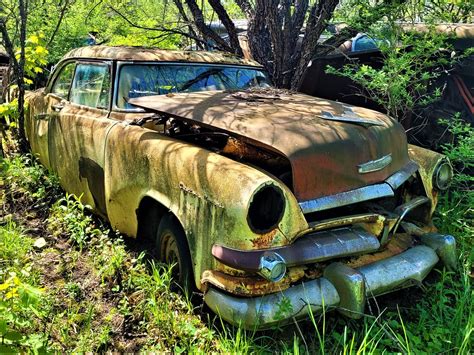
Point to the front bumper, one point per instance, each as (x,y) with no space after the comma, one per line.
(341,287)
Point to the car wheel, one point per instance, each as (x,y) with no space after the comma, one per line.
(172,248)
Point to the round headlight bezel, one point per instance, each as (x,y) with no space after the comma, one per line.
(443,167)
(266,209)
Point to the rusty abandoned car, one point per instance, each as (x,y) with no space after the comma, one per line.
(262,197)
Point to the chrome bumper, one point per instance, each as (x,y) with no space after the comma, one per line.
(341,287)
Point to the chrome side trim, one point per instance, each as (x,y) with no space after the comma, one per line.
(375,165)
(397,179)
(346,198)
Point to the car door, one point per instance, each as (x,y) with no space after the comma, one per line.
(45,105)
(78,133)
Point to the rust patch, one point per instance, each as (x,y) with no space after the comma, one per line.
(264,240)
(371,222)
(251,286)
(398,244)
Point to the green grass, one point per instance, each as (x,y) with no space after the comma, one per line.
(90,290)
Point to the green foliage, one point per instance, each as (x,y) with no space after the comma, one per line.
(68,217)
(460,151)
(35,56)
(409,69)
(447,11)
(20,300)
(9,114)
(19,304)
(14,246)
(439,11)
(82,17)
(27,177)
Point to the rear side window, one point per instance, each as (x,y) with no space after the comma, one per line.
(91,85)
(63,81)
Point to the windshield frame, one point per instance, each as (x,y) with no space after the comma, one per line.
(120,64)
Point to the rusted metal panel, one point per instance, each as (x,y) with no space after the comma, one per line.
(371,222)
(252,285)
(291,124)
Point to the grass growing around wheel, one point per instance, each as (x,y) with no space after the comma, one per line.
(88,289)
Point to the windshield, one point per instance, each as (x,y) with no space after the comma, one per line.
(137,80)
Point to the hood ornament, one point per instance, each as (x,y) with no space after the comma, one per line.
(349,116)
(375,165)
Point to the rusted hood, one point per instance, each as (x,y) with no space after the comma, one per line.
(324,140)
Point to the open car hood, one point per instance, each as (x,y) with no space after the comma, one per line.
(332,147)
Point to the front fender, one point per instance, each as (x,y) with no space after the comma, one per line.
(207,192)
(427,161)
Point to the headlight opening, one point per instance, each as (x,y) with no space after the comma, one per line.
(266,209)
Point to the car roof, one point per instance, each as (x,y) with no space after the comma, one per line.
(125,53)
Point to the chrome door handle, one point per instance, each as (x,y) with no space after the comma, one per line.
(57,107)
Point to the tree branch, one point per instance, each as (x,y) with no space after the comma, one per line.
(229,26)
(191,30)
(159,28)
(60,20)
(205,30)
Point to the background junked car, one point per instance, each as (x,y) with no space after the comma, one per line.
(259,195)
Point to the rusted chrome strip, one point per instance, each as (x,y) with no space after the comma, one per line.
(397,179)
(311,248)
(375,165)
(385,189)
(346,198)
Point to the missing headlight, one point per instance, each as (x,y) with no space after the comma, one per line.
(266,209)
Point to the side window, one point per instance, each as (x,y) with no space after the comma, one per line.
(91,85)
(63,81)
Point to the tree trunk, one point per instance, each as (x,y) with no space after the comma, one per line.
(23,9)
(319,15)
